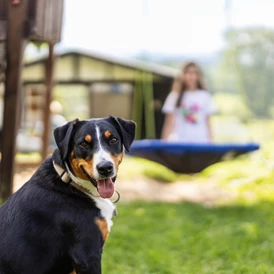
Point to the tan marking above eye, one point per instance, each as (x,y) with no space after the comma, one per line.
(107,134)
(88,138)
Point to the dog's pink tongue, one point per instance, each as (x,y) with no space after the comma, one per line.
(105,188)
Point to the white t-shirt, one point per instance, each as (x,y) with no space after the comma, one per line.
(191,117)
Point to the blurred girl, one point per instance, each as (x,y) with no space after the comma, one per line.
(188,108)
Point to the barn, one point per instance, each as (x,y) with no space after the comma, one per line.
(90,84)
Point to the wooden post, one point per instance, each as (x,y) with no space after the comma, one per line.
(137,108)
(49,65)
(12,104)
(149,105)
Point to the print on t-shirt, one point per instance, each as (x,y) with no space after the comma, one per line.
(190,113)
(190,119)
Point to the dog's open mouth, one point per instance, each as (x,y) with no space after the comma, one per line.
(105,187)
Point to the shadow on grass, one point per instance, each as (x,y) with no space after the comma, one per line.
(189,238)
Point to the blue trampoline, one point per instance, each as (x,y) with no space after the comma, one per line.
(187,158)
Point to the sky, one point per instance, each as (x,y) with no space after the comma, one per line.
(126,27)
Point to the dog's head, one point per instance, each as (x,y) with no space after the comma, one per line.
(93,149)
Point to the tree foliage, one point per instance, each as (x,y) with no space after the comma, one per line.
(249,58)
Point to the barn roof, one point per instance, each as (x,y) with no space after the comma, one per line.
(156,69)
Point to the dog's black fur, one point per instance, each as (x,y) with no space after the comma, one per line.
(48,226)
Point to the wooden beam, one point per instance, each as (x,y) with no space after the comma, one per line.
(49,66)
(79,82)
(12,104)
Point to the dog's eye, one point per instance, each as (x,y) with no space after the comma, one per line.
(113,140)
(83,144)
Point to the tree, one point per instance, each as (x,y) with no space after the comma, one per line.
(249,57)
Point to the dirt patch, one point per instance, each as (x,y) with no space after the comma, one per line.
(207,193)
(150,190)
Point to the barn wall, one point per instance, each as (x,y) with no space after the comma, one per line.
(79,69)
(92,69)
(63,69)
(105,104)
(33,73)
(123,73)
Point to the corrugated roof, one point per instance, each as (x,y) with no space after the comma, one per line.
(157,69)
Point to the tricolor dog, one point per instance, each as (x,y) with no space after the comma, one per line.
(58,221)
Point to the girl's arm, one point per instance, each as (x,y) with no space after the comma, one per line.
(168,126)
(209,129)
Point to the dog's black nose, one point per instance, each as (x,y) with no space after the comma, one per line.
(105,168)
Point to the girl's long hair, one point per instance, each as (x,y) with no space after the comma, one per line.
(180,87)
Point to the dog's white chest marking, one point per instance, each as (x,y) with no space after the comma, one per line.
(106,207)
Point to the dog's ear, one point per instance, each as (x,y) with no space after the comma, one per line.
(126,129)
(62,136)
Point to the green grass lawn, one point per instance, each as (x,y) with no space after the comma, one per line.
(184,238)
(150,238)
